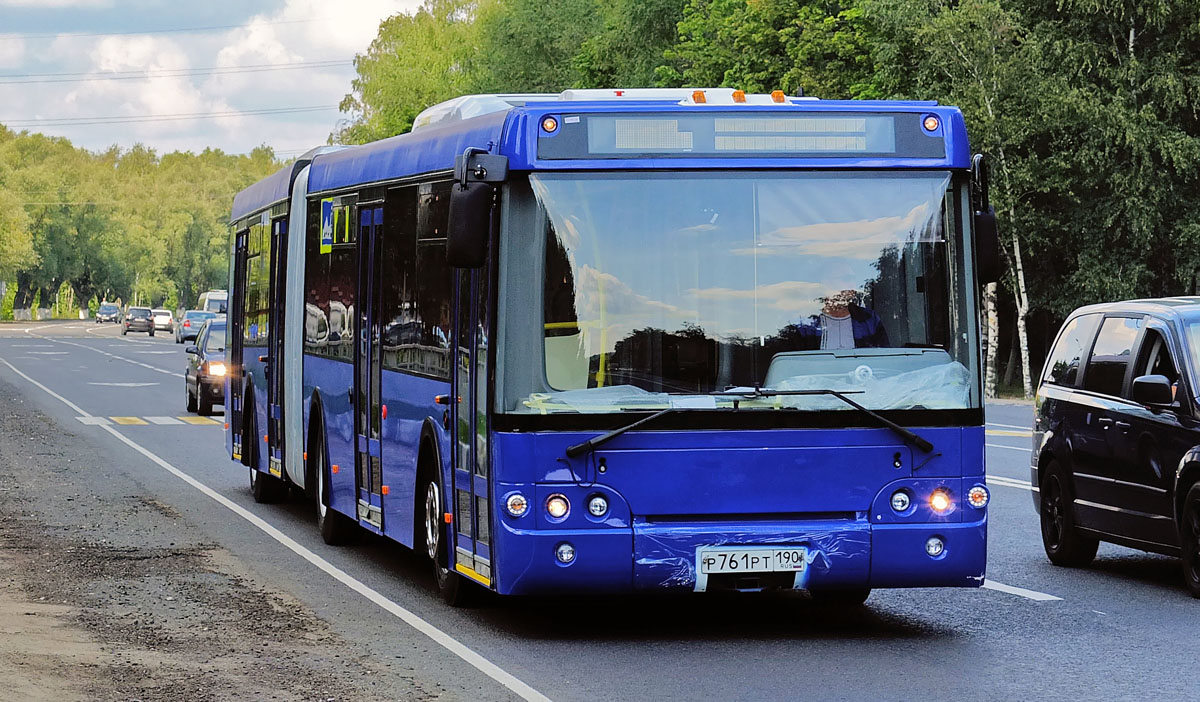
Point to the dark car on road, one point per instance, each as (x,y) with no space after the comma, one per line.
(204,380)
(108,312)
(189,324)
(138,319)
(1116,435)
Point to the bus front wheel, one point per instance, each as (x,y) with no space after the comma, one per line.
(453,588)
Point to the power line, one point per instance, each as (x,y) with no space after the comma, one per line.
(40,78)
(126,119)
(177,30)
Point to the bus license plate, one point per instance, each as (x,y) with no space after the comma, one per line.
(753,560)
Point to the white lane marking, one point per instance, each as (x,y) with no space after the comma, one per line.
(125,385)
(1008,426)
(32,346)
(1018,591)
(451,644)
(93,421)
(1008,482)
(113,355)
(163,420)
(50,353)
(1010,448)
(160,353)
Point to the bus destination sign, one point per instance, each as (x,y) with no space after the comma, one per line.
(740,135)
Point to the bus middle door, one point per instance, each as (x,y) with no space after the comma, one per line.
(472,490)
(274,360)
(368,418)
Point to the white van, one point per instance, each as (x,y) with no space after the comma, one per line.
(213,301)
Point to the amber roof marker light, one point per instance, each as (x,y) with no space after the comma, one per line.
(931,123)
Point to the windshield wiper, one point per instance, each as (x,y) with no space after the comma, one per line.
(591,444)
(910,437)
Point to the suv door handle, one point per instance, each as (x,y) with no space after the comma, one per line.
(1123,426)
(1104,422)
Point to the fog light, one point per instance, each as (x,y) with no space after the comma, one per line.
(934,547)
(565,553)
(901,501)
(557,506)
(940,501)
(598,506)
(978,497)
(516,504)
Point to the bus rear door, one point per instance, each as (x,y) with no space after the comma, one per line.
(274,369)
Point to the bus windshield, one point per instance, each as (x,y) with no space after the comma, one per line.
(677,289)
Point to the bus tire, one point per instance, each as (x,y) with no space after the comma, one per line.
(336,528)
(265,488)
(454,588)
(1063,543)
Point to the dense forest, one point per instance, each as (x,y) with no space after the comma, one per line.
(1089,111)
(78,227)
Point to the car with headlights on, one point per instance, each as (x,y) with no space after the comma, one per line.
(138,319)
(204,379)
(189,324)
(1116,434)
(163,319)
(108,312)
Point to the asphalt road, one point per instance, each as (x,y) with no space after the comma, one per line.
(1123,628)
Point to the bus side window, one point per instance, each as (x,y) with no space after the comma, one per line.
(434,288)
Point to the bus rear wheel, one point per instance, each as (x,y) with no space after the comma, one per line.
(454,589)
(265,488)
(336,528)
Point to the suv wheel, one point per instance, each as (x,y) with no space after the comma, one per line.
(1064,545)
(1189,538)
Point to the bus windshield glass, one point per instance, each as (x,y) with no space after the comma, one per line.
(685,289)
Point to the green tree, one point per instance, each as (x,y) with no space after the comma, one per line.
(630,44)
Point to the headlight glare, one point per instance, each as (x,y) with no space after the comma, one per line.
(940,501)
(558,506)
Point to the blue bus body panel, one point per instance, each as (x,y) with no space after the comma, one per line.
(410,403)
(673,492)
(269,191)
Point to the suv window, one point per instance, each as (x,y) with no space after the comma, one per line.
(1111,355)
(1155,359)
(1062,367)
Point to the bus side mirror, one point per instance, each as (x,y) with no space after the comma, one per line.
(470,224)
(987,246)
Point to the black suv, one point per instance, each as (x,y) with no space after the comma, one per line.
(138,319)
(1116,435)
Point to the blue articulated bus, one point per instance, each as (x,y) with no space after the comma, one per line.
(609,341)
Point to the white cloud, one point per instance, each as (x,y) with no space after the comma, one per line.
(12,51)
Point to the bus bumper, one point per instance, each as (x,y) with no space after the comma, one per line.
(663,556)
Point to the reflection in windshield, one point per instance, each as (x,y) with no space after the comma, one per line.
(697,283)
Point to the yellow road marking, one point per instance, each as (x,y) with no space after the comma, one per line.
(128,420)
(1008,432)
(202,421)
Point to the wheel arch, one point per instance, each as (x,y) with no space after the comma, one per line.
(1186,475)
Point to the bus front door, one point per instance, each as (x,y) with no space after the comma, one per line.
(472,488)
(235,342)
(368,413)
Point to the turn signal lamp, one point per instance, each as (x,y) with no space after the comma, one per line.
(558,506)
(549,124)
(978,497)
(940,501)
(930,123)
(516,504)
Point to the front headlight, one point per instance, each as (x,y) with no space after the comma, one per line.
(216,369)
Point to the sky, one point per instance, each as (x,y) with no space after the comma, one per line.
(178,75)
